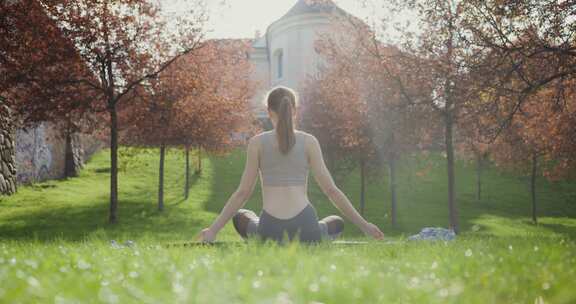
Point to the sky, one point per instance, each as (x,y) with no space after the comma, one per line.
(242,18)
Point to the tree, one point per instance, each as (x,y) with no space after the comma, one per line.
(514,151)
(39,67)
(219,106)
(151,122)
(529,54)
(557,126)
(537,141)
(530,51)
(530,45)
(473,144)
(396,127)
(335,105)
(126,44)
(435,74)
(188,103)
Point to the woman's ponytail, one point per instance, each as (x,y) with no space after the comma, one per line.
(283,101)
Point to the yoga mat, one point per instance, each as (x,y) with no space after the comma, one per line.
(204,244)
(226,243)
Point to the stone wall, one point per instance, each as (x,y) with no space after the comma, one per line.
(41,153)
(7,161)
(38,154)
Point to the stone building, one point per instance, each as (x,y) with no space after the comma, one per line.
(284,54)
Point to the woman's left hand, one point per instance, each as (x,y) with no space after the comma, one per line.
(206,235)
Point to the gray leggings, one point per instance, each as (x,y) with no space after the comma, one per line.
(304,227)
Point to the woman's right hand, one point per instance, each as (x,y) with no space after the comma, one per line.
(373,231)
(206,235)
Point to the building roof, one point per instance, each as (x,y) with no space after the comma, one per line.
(312,6)
(303,7)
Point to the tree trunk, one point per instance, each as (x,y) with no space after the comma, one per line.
(533,186)
(187,185)
(72,162)
(161,178)
(479,167)
(452,208)
(410,167)
(69,156)
(113,165)
(393,202)
(362,186)
(199,162)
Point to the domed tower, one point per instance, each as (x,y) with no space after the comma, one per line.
(285,54)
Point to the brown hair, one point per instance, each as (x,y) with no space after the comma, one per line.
(282,101)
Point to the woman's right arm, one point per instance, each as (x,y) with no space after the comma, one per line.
(326,183)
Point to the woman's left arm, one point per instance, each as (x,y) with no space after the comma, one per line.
(245,189)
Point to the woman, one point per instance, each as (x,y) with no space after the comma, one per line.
(283,156)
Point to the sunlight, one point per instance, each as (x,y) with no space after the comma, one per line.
(133,134)
(241,18)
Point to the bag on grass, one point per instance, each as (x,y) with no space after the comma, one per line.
(434,234)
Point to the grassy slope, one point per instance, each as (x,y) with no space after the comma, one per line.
(507,260)
(503,211)
(78,207)
(73,208)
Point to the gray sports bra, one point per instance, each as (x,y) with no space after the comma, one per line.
(277,169)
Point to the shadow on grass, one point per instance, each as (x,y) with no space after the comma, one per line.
(78,208)
(564,229)
(136,220)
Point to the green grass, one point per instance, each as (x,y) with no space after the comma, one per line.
(55,242)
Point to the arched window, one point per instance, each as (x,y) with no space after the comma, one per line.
(279,59)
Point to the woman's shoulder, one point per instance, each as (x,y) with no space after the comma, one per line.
(257,138)
(263,134)
(303,133)
(300,133)
(309,138)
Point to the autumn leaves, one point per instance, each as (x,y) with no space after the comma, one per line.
(489,79)
(123,68)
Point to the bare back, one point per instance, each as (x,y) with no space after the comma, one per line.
(285,196)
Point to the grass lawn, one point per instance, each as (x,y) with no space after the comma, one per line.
(55,244)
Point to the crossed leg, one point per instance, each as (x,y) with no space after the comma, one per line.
(246,224)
